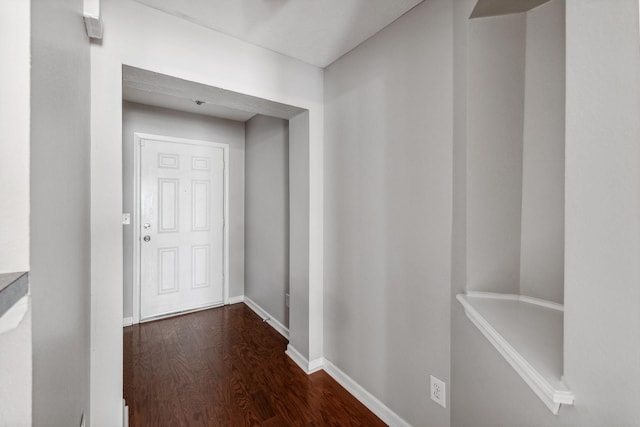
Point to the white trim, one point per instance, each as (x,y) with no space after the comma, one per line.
(135,235)
(302,362)
(93,26)
(234,300)
(180,313)
(225,175)
(316,364)
(515,297)
(127,321)
(265,316)
(549,395)
(125,414)
(135,222)
(367,399)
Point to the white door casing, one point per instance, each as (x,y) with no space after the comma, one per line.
(180,238)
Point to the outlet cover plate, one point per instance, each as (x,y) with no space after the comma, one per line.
(438,391)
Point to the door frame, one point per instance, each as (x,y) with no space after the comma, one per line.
(138,137)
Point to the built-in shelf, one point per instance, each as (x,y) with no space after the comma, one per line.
(14,299)
(528,333)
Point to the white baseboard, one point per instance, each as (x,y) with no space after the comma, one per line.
(127,321)
(367,399)
(316,365)
(125,414)
(235,300)
(304,364)
(283,330)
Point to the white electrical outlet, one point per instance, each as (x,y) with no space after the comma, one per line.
(438,391)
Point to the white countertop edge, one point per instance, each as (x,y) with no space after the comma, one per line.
(515,297)
(551,396)
(13,317)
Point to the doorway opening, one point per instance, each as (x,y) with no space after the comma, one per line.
(177,110)
(173,117)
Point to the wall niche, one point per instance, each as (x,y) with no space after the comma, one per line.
(515,186)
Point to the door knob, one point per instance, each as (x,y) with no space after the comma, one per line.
(147,226)
(146,238)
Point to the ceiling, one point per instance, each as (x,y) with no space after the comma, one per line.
(315,31)
(180,103)
(486,8)
(159,90)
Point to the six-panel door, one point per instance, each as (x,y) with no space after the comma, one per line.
(182,227)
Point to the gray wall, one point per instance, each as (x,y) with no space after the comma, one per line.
(299,307)
(14,134)
(15,345)
(461,11)
(494,152)
(602,238)
(602,241)
(60,247)
(542,238)
(160,121)
(515,153)
(388,211)
(266,269)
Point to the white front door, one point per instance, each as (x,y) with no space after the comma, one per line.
(182,219)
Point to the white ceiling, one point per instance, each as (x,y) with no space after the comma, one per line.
(159,90)
(485,8)
(315,31)
(179,103)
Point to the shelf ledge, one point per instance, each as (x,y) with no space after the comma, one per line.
(528,333)
(14,299)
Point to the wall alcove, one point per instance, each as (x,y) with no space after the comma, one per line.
(515,187)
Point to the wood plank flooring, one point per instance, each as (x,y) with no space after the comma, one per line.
(225,367)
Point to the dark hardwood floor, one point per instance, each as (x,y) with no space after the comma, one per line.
(225,367)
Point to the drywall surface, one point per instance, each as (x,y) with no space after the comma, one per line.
(267,214)
(60,202)
(602,236)
(602,245)
(15,345)
(461,12)
(305,302)
(164,122)
(542,226)
(15,375)
(496,65)
(14,135)
(145,38)
(388,211)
